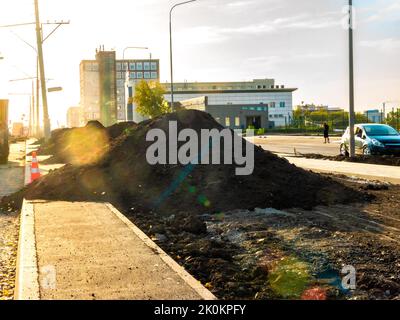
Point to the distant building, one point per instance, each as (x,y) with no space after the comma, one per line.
(74,117)
(312,107)
(317,108)
(374,116)
(335,109)
(104,83)
(90,90)
(17,129)
(147,70)
(259,103)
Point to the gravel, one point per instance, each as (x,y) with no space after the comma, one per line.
(9,224)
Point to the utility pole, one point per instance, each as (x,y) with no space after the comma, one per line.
(46,119)
(352,150)
(37,111)
(32,112)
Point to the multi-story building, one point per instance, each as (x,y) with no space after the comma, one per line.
(129,73)
(374,116)
(104,85)
(74,117)
(90,90)
(259,103)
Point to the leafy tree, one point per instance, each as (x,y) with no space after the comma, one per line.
(393,119)
(149,99)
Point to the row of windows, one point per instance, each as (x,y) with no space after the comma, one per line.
(228,121)
(255,109)
(137,75)
(140,66)
(92,67)
(277,116)
(261,108)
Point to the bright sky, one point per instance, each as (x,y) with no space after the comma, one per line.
(301,44)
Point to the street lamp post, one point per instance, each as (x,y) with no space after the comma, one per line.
(46,119)
(170,48)
(352,150)
(127,48)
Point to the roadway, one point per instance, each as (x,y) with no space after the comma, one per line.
(302,144)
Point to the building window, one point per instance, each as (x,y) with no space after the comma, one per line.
(139,75)
(227,122)
(273,105)
(132,75)
(119,75)
(147,75)
(132,66)
(139,66)
(154,66)
(154,75)
(125,66)
(282,104)
(147,66)
(118,67)
(237,122)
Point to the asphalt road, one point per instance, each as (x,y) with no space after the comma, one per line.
(302,144)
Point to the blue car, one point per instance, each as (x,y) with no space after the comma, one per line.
(372,139)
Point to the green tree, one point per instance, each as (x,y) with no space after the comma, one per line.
(393,118)
(149,99)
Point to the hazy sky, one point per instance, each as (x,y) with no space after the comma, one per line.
(301,44)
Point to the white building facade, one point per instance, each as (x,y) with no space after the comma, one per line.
(278,99)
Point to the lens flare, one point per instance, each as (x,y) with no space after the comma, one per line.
(289,277)
(85,146)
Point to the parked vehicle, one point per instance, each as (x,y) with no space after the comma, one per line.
(371,139)
(4,146)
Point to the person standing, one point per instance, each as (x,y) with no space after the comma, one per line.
(326,133)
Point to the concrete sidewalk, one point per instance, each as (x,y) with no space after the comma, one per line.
(12,174)
(368,171)
(91,251)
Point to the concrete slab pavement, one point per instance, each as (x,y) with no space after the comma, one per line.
(12,174)
(91,251)
(368,171)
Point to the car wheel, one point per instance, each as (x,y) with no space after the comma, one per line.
(367,151)
(343,151)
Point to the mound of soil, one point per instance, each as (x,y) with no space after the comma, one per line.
(117,129)
(82,145)
(387,160)
(123,177)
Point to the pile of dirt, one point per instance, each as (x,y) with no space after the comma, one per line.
(120,128)
(122,176)
(84,145)
(387,160)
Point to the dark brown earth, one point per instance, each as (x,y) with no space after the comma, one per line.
(119,172)
(211,225)
(273,254)
(387,160)
(81,145)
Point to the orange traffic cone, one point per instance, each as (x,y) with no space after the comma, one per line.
(35,172)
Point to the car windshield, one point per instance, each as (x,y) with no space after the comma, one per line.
(380,131)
